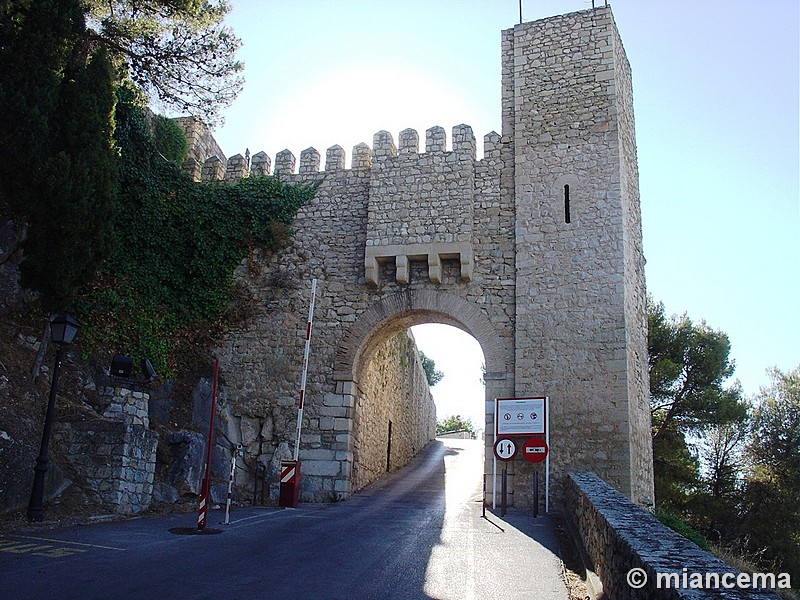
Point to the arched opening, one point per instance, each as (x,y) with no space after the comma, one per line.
(380,332)
(460,395)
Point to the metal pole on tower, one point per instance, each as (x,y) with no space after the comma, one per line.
(520,12)
(309,325)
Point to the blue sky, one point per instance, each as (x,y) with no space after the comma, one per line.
(716,103)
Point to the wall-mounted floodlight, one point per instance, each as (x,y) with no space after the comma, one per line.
(147,370)
(121,366)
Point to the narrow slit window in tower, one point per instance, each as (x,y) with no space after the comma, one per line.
(566,204)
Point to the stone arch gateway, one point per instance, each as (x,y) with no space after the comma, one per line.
(407,308)
(404,236)
(398,313)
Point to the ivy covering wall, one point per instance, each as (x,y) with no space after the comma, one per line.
(176,247)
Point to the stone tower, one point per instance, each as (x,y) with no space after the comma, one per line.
(534,249)
(580,296)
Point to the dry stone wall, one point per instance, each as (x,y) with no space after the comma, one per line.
(535,250)
(618,536)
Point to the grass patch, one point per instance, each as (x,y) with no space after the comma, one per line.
(677,524)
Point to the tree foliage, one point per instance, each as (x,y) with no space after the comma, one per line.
(34,47)
(177,51)
(64,182)
(431,374)
(771,511)
(730,469)
(455,423)
(688,365)
(169,139)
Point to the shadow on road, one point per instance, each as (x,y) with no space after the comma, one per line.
(416,534)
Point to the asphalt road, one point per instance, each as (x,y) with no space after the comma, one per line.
(418,533)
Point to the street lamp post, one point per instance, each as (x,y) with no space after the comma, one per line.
(62,331)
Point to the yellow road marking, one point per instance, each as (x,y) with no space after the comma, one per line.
(39,539)
(65,548)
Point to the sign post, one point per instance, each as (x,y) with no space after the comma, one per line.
(505,449)
(517,417)
(547,458)
(535,450)
(494,465)
(521,416)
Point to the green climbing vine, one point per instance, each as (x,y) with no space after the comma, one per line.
(176,246)
(169,139)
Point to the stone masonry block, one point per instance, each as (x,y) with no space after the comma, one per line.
(333,400)
(327,468)
(345,387)
(343,424)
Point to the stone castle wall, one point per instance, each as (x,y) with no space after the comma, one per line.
(399,416)
(535,250)
(581,333)
(262,361)
(205,159)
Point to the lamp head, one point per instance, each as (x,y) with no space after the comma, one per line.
(63,328)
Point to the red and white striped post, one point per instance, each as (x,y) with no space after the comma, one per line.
(203,510)
(309,325)
(230,489)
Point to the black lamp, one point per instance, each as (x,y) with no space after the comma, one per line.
(148,371)
(62,331)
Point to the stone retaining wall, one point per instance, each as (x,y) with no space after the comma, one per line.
(619,536)
(116,455)
(116,460)
(127,404)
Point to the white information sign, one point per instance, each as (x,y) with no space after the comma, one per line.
(521,416)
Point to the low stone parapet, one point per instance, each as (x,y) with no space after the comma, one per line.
(637,557)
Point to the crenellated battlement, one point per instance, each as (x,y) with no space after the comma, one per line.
(420,205)
(206,162)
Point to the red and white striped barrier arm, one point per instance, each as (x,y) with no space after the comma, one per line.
(309,325)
